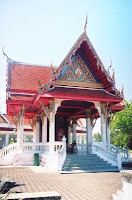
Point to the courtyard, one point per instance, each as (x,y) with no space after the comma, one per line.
(81,186)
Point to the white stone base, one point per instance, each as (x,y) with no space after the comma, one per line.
(52,163)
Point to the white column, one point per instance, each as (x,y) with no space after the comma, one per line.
(44,130)
(20,129)
(69,132)
(108,133)
(74,129)
(36,129)
(6,139)
(52,127)
(89,131)
(51,132)
(34,133)
(80,139)
(53,106)
(37,132)
(103,129)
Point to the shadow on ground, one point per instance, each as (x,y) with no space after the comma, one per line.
(8,186)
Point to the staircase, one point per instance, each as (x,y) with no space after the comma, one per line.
(86,163)
(24,160)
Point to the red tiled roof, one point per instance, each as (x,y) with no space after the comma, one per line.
(9,118)
(22,97)
(25,77)
(82,92)
(118,106)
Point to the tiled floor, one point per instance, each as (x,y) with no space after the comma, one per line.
(83,186)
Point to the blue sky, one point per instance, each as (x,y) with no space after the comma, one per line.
(42,31)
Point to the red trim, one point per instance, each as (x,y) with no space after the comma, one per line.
(29,115)
(64,113)
(19,102)
(74,97)
(80,111)
(117,108)
(22,91)
(72,107)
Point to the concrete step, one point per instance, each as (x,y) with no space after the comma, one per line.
(88,171)
(88,167)
(86,163)
(24,160)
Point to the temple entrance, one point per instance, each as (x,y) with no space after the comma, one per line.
(68,122)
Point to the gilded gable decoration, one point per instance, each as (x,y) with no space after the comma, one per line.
(78,74)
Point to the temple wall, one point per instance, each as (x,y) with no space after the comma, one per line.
(61,127)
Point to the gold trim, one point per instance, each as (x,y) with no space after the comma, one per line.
(86,85)
(78,74)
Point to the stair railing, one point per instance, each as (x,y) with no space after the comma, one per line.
(125,156)
(8,150)
(33,147)
(62,154)
(103,152)
(82,148)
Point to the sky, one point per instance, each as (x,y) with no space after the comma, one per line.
(42,31)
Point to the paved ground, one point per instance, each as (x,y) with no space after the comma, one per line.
(85,186)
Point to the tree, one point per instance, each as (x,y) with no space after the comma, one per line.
(121,127)
(97,137)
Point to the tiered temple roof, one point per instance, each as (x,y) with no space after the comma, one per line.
(81,75)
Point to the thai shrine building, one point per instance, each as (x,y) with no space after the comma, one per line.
(54,98)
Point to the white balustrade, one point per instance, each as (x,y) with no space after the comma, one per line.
(57,146)
(114,155)
(46,148)
(10,149)
(62,154)
(82,148)
(33,148)
(7,154)
(123,152)
(104,153)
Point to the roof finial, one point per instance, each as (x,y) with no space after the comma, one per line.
(39,84)
(110,66)
(85,26)
(113,76)
(52,71)
(4,52)
(51,68)
(122,92)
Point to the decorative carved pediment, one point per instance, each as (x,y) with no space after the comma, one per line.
(78,74)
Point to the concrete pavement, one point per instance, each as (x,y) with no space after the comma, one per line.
(83,186)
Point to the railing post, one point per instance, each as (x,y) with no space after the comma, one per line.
(128,154)
(119,163)
(64,143)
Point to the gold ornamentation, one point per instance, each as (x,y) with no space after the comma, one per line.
(47,87)
(105,111)
(32,122)
(88,112)
(78,74)
(45,109)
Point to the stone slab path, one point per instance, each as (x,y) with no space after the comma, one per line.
(83,186)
